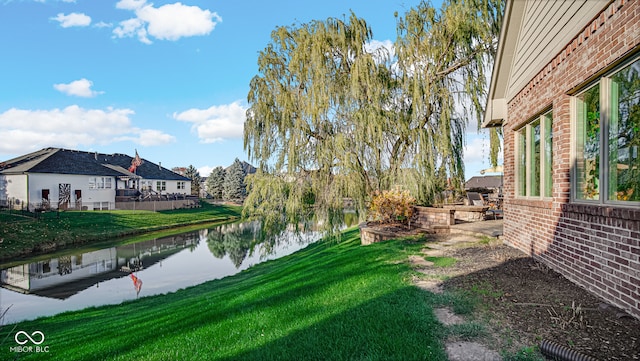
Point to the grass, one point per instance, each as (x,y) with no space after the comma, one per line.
(526,354)
(466,331)
(329,301)
(20,235)
(486,240)
(441,261)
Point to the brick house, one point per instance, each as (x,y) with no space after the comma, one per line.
(566,91)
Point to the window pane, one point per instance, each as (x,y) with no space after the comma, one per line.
(548,155)
(624,135)
(521,162)
(588,144)
(534,159)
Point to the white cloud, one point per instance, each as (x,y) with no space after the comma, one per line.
(476,150)
(217,122)
(130,4)
(476,153)
(130,28)
(73,19)
(167,22)
(205,171)
(79,88)
(102,24)
(375,45)
(149,137)
(28,130)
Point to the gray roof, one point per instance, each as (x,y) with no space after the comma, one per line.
(488,181)
(246,167)
(65,161)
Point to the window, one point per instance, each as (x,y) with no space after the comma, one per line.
(607,139)
(100,206)
(146,185)
(161,186)
(100,183)
(181,185)
(534,158)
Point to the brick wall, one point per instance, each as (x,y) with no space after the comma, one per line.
(595,246)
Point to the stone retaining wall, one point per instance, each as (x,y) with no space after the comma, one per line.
(425,219)
(468,213)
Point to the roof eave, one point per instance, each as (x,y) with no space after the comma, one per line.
(498,96)
(495,113)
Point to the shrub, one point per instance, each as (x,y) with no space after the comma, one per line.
(392,206)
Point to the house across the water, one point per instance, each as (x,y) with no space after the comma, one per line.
(55,178)
(566,91)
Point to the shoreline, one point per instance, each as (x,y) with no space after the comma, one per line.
(31,237)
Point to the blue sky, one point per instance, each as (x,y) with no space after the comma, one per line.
(167,78)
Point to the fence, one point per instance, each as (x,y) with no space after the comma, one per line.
(165,203)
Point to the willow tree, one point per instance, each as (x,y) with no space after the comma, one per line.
(444,59)
(330,118)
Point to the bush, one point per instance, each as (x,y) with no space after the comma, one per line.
(392,206)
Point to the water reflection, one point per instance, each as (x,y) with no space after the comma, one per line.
(76,280)
(67,275)
(234,240)
(238,241)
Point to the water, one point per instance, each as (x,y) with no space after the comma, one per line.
(111,275)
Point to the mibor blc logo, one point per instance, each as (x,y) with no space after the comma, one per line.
(29,342)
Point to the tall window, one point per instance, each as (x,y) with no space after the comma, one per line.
(521,162)
(534,158)
(588,144)
(607,163)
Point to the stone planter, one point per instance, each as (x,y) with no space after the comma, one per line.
(428,217)
(369,235)
(468,213)
(425,220)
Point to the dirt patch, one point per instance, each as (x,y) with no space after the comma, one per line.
(522,302)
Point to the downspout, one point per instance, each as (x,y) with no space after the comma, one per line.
(562,353)
(28,195)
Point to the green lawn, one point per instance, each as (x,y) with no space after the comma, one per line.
(21,235)
(329,301)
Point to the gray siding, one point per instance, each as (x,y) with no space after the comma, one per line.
(547,28)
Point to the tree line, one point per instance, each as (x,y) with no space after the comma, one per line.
(222,184)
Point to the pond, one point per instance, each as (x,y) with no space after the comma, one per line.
(75,280)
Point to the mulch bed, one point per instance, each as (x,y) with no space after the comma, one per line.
(524,302)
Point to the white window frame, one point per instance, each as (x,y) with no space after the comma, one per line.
(146,185)
(100,183)
(543,118)
(605,119)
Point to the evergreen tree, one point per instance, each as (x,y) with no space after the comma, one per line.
(234,187)
(193,174)
(215,182)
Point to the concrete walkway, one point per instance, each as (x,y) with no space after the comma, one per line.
(491,228)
